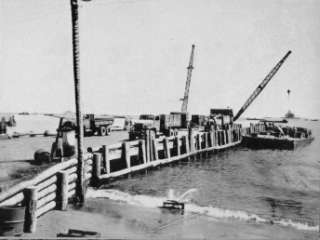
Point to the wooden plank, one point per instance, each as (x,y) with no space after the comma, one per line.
(31,197)
(134,151)
(46,183)
(114,154)
(47,190)
(46,208)
(43,201)
(115,146)
(134,143)
(14,200)
(39,178)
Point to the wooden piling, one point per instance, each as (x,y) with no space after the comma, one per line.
(186,142)
(142,151)
(148,145)
(62,190)
(198,142)
(30,198)
(177,141)
(105,160)
(96,169)
(126,153)
(206,140)
(211,135)
(166,148)
(155,149)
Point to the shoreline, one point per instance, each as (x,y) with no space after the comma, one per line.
(118,220)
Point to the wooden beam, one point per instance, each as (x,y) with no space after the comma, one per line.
(30,197)
(62,190)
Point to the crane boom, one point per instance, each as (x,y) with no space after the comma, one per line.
(261,86)
(184,107)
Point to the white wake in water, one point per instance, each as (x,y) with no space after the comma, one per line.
(155,202)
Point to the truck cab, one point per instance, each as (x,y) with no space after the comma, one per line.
(221,117)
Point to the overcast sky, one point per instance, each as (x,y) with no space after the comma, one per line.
(134,55)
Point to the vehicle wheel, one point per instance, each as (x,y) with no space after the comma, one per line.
(102,131)
(108,130)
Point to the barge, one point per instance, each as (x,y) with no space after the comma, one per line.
(269,135)
(258,141)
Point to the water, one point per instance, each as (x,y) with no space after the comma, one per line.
(264,186)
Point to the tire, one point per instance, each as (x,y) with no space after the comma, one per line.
(108,130)
(102,131)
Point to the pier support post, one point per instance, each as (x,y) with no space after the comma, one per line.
(142,151)
(106,162)
(224,137)
(211,135)
(96,169)
(148,145)
(126,153)
(30,197)
(177,143)
(198,142)
(62,190)
(166,147)
(155,149)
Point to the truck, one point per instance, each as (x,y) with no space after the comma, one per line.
(100,125)
(145,122)
(174,120)
(120,123)
(221,116)
(198,120)
(160,124)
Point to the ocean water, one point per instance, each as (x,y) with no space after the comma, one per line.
(277,187)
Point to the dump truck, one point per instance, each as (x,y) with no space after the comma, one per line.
(100,125)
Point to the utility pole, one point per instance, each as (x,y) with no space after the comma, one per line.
(81,187)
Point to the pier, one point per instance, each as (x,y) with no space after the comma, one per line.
(56,186)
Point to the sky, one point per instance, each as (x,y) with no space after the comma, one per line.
(134,54)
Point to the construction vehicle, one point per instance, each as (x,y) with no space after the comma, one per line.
(145,122)
(164,124)
(261,86)
(185,99)
(64,145)
(99,125)
(199,121)
(173,121)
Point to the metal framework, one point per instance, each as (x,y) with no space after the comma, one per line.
(261,86)
(184,107)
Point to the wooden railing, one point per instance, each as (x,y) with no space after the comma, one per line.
(127,157)
(54,187)
(49,190)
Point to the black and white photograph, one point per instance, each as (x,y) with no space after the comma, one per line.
(160,119)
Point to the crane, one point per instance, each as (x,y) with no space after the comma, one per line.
(184,107)
(261,86)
